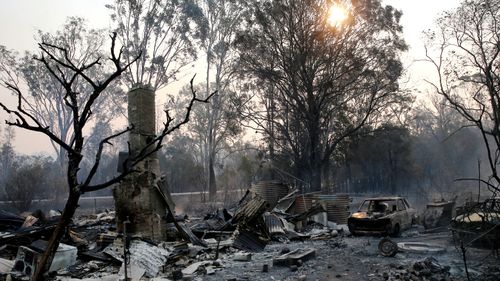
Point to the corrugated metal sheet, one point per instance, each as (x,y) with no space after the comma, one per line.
(250,210)
(337,206)
(286,203)
(303,202)
(271,191)
(149,257)
(274,224)
(249,241)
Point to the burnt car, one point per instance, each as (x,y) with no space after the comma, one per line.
(382,215)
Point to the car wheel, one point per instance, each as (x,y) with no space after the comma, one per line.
(387,247)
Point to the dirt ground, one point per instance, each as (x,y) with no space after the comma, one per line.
(357,258)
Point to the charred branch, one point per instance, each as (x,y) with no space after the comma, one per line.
(154,145)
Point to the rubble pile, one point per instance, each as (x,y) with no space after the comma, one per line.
(19,230)
(287,238)
(479,224)
(490,273)
(92,247)
(424,270)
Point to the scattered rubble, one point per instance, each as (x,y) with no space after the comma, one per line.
(296,257)
(478,224)
(438,214)
(6,265)
(389,248)
(419,247)
(427,269)
(287,242)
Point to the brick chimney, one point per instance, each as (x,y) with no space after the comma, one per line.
(137,196)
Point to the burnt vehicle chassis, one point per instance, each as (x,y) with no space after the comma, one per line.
(375,218)
(382,226)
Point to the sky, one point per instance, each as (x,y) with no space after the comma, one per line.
(20,20)
(417,17)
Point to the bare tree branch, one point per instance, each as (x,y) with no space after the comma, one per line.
(97,160)
(154,145)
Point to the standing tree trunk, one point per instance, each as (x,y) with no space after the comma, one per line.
(212,186)
(270,112)
(60,230)
(315,157)
(212,136)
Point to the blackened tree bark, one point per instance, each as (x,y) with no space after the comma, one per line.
(69,74)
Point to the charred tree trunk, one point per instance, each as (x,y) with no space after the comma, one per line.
(327,175)
(68,212)
(315,159)
(209,169)
(271,130)
(392,172)
(316,176)
(60,230)
(212,139)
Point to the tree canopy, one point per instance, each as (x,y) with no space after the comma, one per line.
(325,82)
(161,34)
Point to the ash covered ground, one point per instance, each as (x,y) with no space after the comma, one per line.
(235,251)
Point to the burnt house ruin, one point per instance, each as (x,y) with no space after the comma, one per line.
(139,198)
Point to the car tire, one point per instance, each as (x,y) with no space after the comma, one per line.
(387,247)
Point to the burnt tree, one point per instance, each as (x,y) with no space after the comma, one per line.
(69,74)
(464,50)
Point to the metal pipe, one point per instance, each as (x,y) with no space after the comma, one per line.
(125,247)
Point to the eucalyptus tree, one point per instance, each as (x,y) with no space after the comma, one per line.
(162,32)
(329,68)
(445,148)
(221,20)
(378,160)
(7,157)
(214,129)
(184,171)
(30,179)
(158,38)
(464,49)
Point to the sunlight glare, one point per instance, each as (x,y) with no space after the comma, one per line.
(337,15)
